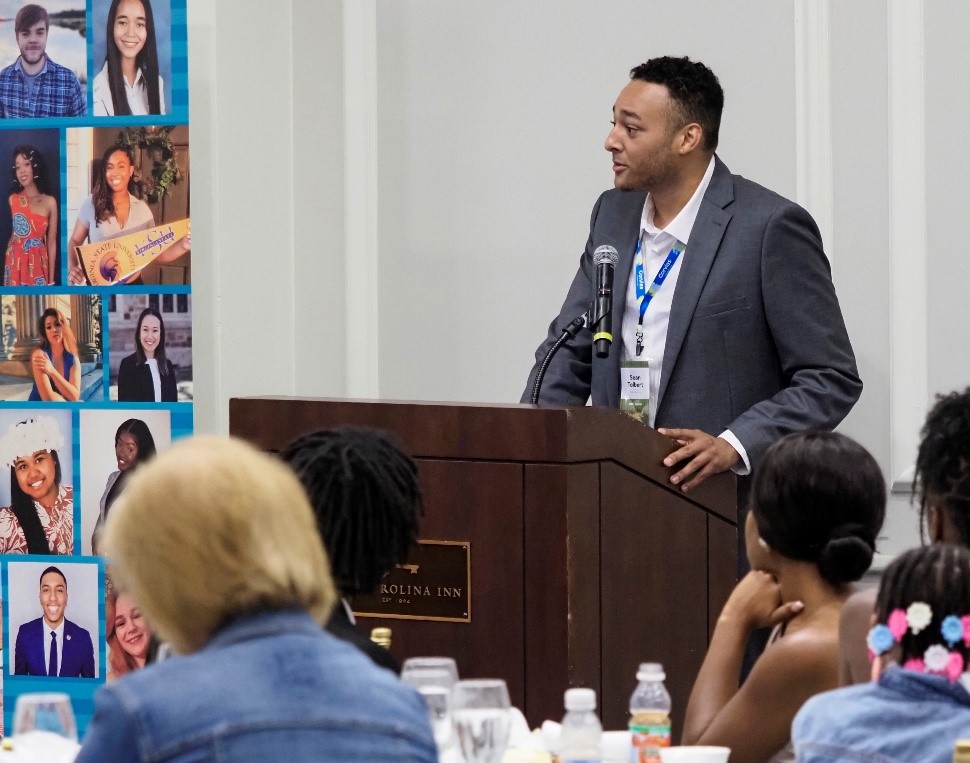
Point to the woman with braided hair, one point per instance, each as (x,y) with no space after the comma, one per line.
(365,494)
(941,485)
(917,706)
(817,503)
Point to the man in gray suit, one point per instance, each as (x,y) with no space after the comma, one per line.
(722,284)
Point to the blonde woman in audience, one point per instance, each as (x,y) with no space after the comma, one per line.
(817,503)
(217,543)
(917,706)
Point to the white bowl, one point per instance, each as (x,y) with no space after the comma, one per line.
(694,754)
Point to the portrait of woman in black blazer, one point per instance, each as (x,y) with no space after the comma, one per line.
(147,376)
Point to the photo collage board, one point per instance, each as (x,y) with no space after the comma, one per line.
(95,320)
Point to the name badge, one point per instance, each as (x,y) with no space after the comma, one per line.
(635,389)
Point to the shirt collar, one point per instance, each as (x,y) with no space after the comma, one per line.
(20,68)
(59,630)
(681,226)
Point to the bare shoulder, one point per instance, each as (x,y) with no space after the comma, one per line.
(804,662)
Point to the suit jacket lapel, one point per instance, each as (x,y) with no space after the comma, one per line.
(705,238)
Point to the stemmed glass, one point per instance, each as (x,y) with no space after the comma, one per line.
(480,715)
(45,712)
(433,678)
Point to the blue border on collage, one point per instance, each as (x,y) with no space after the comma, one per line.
(80,690)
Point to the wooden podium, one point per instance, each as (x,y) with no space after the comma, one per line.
(583,562)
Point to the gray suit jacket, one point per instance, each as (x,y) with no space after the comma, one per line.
(756,342)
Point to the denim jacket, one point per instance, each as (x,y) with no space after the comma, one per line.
(904,717)
(268,687)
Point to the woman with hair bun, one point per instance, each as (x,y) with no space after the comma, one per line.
(817,503)
(917,706)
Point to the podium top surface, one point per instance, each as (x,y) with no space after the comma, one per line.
(481,432)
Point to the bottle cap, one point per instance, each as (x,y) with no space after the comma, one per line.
(381,637)
(580,699)
(651,671)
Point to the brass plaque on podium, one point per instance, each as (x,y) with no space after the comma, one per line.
(433,584)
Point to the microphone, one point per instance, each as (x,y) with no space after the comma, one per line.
(605,259)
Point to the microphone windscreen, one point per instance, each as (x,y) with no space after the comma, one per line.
(605,255)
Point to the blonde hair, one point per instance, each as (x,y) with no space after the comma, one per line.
(211,529)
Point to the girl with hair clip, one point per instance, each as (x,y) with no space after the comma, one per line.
(147,376)
(917,706)
(32,250)
(57,373)
(129,83)
(40,518)
(134,445)
(817,503)
(941,487)
(126,633)
(114,209)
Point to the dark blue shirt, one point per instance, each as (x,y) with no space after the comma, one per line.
(57,92)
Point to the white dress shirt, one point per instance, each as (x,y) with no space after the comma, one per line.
(656,244)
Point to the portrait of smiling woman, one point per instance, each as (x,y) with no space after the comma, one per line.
(147,375)
(129,83)
(54,364)
(40,517)
(134,445)
(31,256)
(127,634)
(115,208)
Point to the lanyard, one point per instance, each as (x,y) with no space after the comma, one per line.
(645,295)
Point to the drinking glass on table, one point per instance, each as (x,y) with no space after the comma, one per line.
(433,678)
(423,663)
(45,712)
(480,716)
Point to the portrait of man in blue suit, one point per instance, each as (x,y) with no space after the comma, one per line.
(52,645)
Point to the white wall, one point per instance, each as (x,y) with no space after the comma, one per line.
(394,194)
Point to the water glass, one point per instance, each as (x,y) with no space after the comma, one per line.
(434,684)
(45,712)
(435,663)
(480,716)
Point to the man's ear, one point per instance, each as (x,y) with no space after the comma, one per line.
(691,138)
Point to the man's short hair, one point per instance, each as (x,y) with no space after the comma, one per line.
(694,90)
(30,15)
(53,569)
(212,529)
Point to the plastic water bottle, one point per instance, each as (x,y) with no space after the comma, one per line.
(581,729)
(649,714)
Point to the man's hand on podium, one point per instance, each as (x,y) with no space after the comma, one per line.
(707,455)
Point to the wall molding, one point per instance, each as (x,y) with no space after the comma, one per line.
(908,366)
(360,197)
(813,116)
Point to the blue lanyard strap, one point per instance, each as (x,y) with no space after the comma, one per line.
(644,294)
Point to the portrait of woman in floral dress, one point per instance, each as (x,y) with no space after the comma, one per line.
(40,518)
